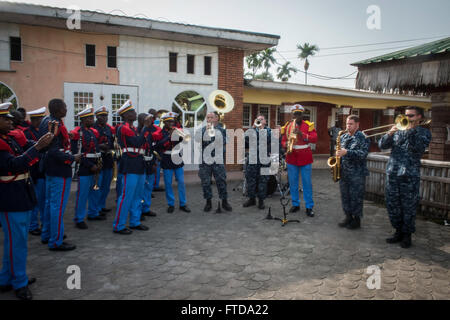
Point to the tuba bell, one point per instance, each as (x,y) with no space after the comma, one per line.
(222,102)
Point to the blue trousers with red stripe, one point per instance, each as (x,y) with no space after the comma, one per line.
(129,201)
(39,188)
(157,175)
(85,195)
(104,182)
(57,190)
(147,192)
(119,184)
(179,176)
(15,251)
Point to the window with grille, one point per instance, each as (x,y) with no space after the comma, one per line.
(278,116)
(117,100)
(15,45)
(264,110)
(190,63)
(90,55)
(80,100)
(246,117)
(112,57)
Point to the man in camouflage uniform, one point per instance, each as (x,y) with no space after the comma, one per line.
(210,166)
(403,174)
(353,154)
(256,181)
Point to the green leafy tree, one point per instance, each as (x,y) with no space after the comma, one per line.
(284,71)
(263,76)
(306,51)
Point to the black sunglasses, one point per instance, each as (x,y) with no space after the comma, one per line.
(410,115)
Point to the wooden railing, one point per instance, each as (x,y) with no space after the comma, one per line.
(434,184)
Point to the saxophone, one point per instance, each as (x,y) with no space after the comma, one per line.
(292,137)
(335,162)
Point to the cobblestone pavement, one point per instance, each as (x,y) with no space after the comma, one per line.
(240,255)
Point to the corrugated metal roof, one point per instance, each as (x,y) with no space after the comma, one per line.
(435,47)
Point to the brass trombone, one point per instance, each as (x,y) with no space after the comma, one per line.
(401,122)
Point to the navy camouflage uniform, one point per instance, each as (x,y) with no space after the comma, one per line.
(353,173)
(257,182)
(217,169)
(403,175)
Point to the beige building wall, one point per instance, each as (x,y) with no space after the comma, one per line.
(51,57)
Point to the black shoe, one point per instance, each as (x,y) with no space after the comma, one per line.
(153,195)
(44,241)
(348,219)
(294,209)
(355,223)
(226,205)
(249,202)
(406,241)
(170,209)
(140,227)
(102,214)
(81,225)
(35,232)
(8,287)
(185,209)
(106,210)
(123,231)
(309,212)
(158,189)
(208,206)
(64,247)
(24,293)
(149,214)
(97,218)
(261,204)
(397,237)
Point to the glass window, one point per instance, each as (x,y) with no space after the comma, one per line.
(112,57)
(190,63)
(246,117)
(90,55)
(191,107)
(117,100)
(278,116)
(264,110)
(173,61)
(80,100)
(208,66)
(15,44)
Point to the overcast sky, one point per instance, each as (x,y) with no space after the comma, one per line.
(326,23)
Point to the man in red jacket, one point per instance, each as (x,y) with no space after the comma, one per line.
(299,159)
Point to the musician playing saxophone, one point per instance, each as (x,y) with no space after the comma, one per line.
(353,151)
(300,159)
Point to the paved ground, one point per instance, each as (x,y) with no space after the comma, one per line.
(240,255)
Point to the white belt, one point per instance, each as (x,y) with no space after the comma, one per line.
(65,151)
(146,158)
(304,146)
(168,152)
(93,155)
(22,176)
(134,150)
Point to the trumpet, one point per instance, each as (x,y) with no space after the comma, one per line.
(401,122)
(257,123)
(186,136)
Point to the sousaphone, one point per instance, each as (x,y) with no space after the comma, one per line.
(222,102)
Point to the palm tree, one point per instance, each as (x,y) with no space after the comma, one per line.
(307,50)
(284,72)
(263,76)
(254,62)
(267,58)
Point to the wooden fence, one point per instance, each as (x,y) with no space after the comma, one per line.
(434,184)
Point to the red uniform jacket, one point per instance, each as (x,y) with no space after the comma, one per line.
(300,157)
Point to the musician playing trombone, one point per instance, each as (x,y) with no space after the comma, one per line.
(352,152)
(403,174)
(210,164)
(84,141)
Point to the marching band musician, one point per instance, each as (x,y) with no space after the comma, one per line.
(257,182)
(300,159)
(151,136)
(58,177)
(403,174)
(165,147)
(37,172)
(353,172)
(17,156)
(217,169)
(106,145)
(156,123)
(85,137)
(132,168)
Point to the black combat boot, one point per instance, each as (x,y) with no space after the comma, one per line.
(346,221)
(208,206)
(354,224)
(397,237)
(226,205)
(249,202)
(261,204)
(406,241)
